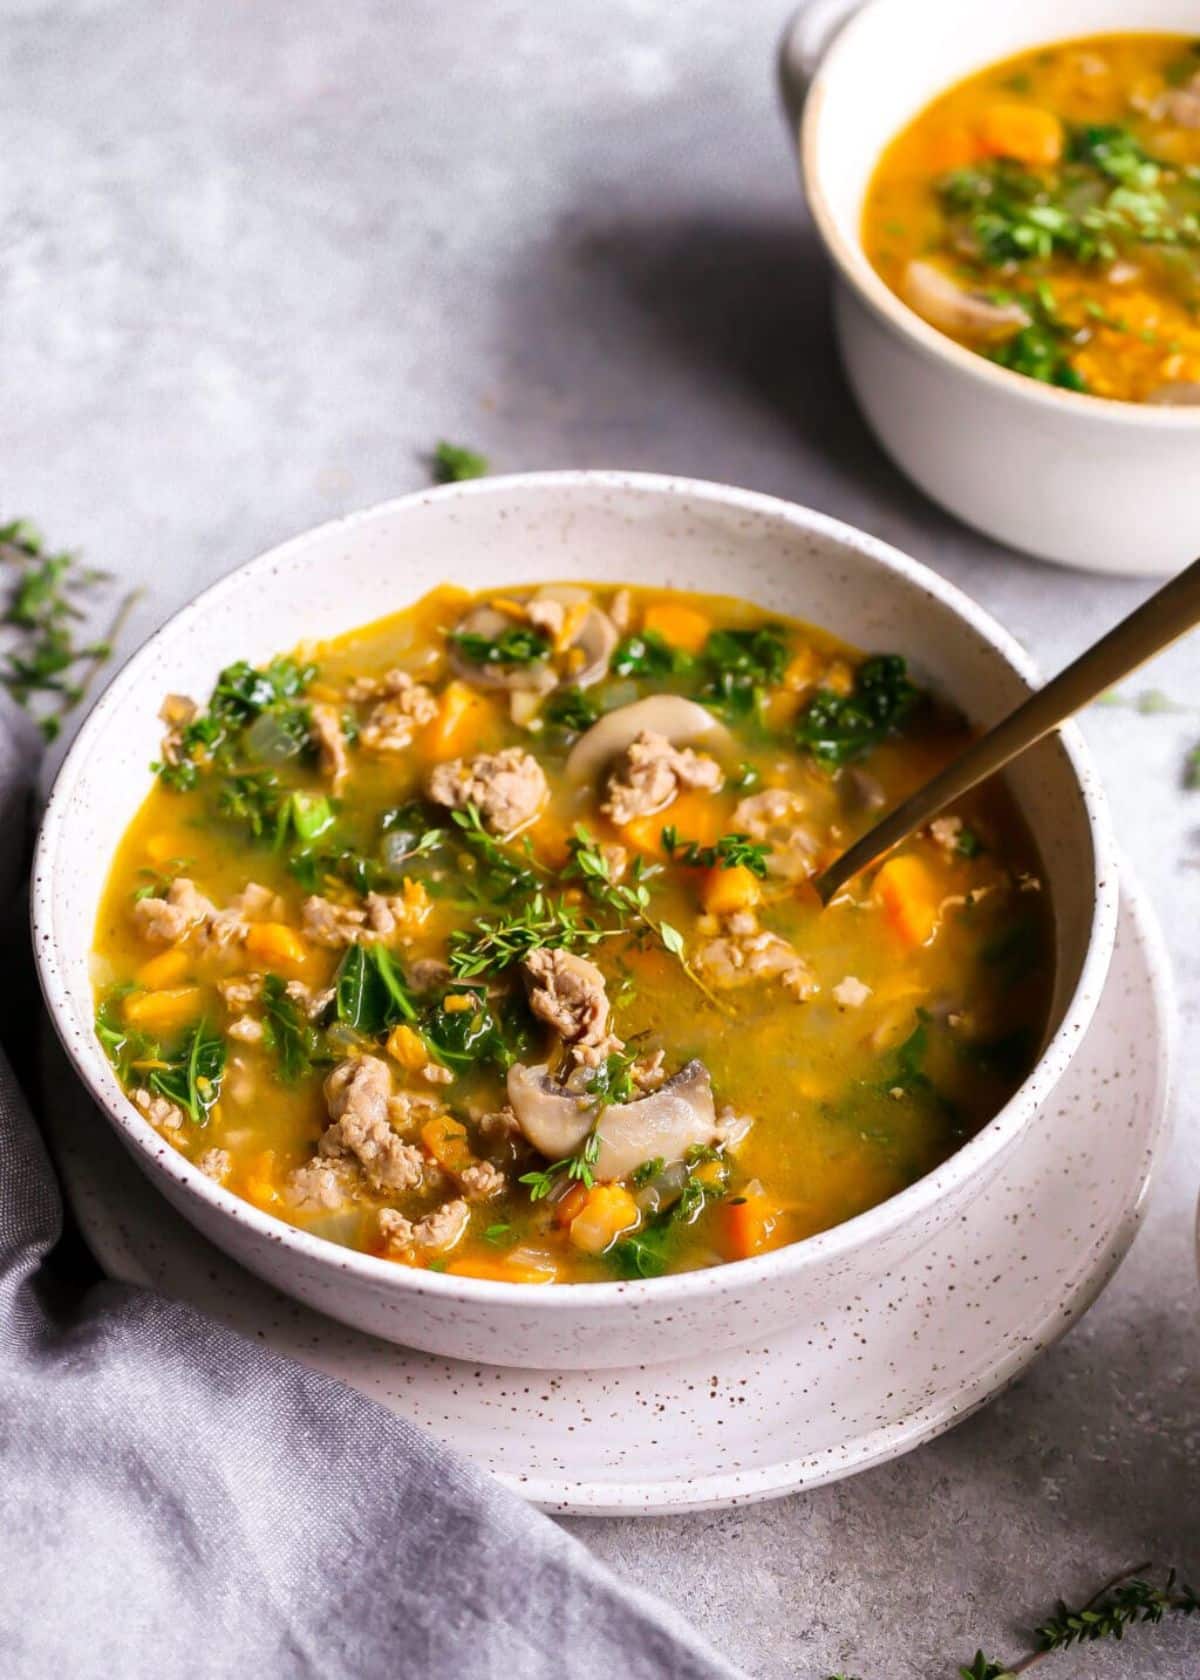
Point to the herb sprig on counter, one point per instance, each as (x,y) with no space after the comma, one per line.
(453,463)
(42,657)
(1127,1600)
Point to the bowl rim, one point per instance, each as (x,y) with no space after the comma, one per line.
(855,268)
(968,1161)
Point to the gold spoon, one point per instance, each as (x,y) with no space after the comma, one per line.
(1158,622)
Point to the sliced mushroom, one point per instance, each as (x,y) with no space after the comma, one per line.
(1178,394)
(668,1122)
(554,1120)
(683,722)
(596,637)
(953,309)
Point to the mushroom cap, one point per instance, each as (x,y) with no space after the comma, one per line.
(683,722)
(488,621)
(951,308)
(596,638)
(668,1122)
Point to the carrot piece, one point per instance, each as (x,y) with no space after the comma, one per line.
(749,1225)
(723,891)
(608,1211)
(952,148)
(566,1208)
(694,815)
(165,1011)
(1024,132)
(503,1271)
(909,897)
(257,1185)
(276,944)
(681,626)
(462,718)
(446,1140)
(407,1047)
(166,969)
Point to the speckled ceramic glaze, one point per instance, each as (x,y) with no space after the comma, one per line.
(1110,486)
(909,1357)
(601,526)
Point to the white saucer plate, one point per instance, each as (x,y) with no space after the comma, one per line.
(872,1379)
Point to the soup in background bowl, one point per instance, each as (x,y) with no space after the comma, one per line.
(1046,213)
(596,530)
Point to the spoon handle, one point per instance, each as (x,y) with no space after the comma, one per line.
(1169,613)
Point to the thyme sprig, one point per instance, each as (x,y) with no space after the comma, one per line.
(43,613)
(731,851)
(578,1167)
(1127,1600)
(591,866)
(490,946)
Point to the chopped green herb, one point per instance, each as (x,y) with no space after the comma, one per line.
(739,665)
(839,728)
(731,851)
(648,654)
(289,1033)
(452,463)
(521,644)
(571,710)
(612,1081)
(642,1175)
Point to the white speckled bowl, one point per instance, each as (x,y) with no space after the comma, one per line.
(603,526)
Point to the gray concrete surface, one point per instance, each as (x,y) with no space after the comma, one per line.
(255,259)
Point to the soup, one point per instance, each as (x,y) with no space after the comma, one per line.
(1046,214)
(483,938)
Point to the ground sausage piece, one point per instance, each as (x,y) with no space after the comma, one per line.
(241,992)
(771,819)
(746,953)
(481,1181)
(176,711)
(321,1184)
(171,918)
(406,707)
(1180,105)
(650,772)
(508,788)
(165,1115)
(357,1094)
(567,992)
(216,1163)
(331,744)
(329,924)
(442,1228)
(396,1231)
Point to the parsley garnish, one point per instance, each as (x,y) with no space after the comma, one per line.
(521,644)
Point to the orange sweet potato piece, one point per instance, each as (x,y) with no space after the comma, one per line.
(909,897)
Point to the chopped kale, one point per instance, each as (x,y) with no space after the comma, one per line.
(520,644)
(295,1041)
(839,728)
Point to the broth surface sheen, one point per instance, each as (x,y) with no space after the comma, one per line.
(482,938)
(1045,213)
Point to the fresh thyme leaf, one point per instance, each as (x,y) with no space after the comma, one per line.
(672,939)
(498,1233)
(502,872)
(452,463)
(43,610)
(612,1081)
(489,947)
(731,851)
(289,1032)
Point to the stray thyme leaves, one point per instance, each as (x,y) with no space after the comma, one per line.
(452,463)
(43,657)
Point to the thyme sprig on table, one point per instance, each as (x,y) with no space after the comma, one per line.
(1127,1600)
(43,614)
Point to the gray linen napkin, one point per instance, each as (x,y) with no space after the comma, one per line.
(176,1501)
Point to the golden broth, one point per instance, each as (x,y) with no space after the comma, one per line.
(893,1025)
(1063,184)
